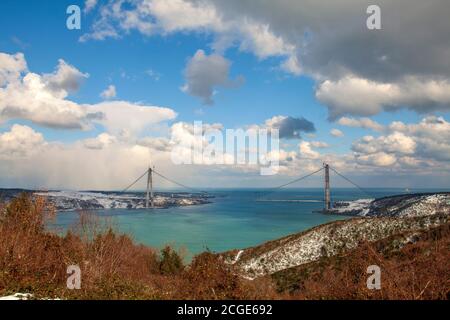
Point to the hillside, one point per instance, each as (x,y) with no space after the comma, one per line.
(397,215)
(405,205)
(404,260)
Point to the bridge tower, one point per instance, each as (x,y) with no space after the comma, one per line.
(327,187)
(149,194)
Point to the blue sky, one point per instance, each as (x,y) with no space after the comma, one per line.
(150,69)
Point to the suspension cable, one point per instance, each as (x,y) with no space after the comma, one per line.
(136,181)
(353,183)
(177,183)
(270,191)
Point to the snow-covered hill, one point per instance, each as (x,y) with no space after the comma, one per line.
(410,205)
(376,220)
(78,200)
(325,240)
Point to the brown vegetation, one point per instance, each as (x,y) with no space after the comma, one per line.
(35,260)
(417,269)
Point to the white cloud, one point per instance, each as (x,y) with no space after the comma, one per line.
(260,39)
(380,159)
(102,141)
(109,93)
(31,99)
(418,145)
(336,133)
(156,143)
(205,73)
(396,142)
(122,117)
(307,152)
(180,15)
(365,123)
(64,80)
(359,96)
(319,144)
(432,136)
(11,66)
(20,142)
(42,99)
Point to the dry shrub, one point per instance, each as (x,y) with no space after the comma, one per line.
(26,251)
(35,260)
(416,271)
(209,277)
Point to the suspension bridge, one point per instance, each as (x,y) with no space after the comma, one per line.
(326,168)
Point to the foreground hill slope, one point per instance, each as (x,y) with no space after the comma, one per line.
(413,267)
(404,205)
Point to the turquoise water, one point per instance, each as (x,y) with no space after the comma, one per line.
(234,219)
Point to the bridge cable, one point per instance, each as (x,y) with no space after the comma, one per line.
(177,183)
(273,190)
(136,181)
(353,183)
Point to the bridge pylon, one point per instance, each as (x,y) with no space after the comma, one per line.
(327,187)
(149,193)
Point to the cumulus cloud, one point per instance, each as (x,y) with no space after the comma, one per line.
(42,99)
(66,79)
(336,133)
(30,98)
(379,159)
(205,73)
(307,152)
(20,142)
(365,123)
(122,117)
(156,143)
(423,144)
(432,136)
(11,66)
(109,93)
(290,127)
(102,141)
(319,144)
(359,96)
(396,142)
